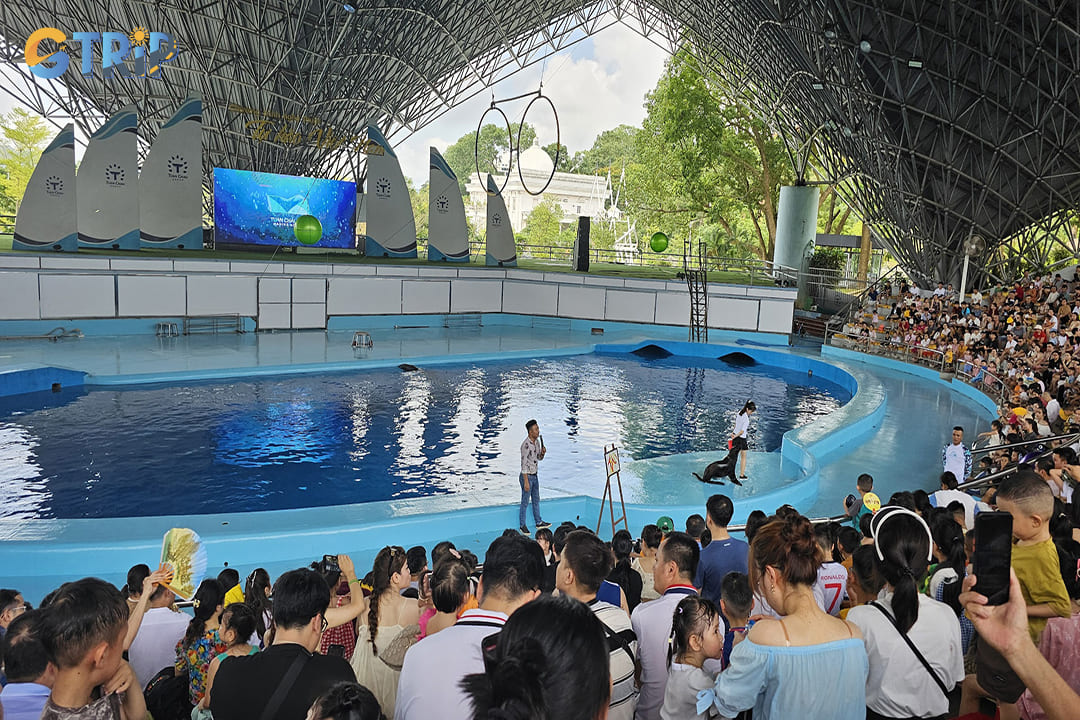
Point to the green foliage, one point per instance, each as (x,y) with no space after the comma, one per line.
(463,155)
(543,226)
(827,258)
(612,150)
(25,136)
(563,165)
(419,199)
(702,154)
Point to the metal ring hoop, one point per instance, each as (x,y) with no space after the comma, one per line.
(476,146)
(558,143)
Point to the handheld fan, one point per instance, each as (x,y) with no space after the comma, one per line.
(184,557)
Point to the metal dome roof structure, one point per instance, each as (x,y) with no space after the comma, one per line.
(936,120)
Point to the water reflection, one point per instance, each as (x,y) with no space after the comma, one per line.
(330,439)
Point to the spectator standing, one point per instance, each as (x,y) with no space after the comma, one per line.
(646,559)
(673,576)
(855,511)
(724,554)
(1036,564)
(623,574)
(585,562)
(257,590)
(956,457)
(429,686)
(389,614)
(285,679)
(949,494)
(807,663)
(899,684)
(830,588)
(696,636)
(532,452)
(31,674)
(154,647)
(543,665)
(201,642)
(83,629)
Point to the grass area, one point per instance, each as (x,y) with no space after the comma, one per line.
(657,272)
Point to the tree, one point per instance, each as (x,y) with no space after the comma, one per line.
(419,199)
(612,150)
(25,136)
(564,163)
(543,226)
(702,154)
(464,155)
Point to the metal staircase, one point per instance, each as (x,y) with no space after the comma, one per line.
(697,282)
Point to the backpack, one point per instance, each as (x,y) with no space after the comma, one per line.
(167,695)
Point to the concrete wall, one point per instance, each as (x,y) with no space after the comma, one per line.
(283,295)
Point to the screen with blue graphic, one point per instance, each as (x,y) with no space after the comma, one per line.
(255,208)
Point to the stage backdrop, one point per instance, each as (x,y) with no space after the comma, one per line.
(170,187)
(501,250)
(108,185)
(254,208)
(448,234)
(391,229)
(46,217)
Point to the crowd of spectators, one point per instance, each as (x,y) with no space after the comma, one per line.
(869,618)
(1018,342)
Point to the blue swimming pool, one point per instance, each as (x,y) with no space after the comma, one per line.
(332,439)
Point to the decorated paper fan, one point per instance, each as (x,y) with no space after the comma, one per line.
(184,558)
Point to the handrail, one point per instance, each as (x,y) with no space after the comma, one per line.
(1023,443)
(893,347)
(992,477)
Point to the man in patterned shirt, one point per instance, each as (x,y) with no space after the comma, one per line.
(532,452)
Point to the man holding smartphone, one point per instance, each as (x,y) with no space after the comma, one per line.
(532,452)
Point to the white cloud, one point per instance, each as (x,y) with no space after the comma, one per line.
(595,91)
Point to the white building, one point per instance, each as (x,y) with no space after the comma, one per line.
(574,194)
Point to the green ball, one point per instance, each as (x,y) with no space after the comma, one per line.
(658,242)
(308,229)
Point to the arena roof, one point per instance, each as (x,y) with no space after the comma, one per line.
(938,120)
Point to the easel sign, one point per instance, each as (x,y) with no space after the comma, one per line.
(611,460)
(613,467)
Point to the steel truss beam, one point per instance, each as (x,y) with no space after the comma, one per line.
(936,120)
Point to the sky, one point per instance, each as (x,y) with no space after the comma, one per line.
(596,85)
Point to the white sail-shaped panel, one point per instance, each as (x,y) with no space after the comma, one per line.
(501,250)
(108,185)
(391,229)
(46,217)
(170,186)
(448,233)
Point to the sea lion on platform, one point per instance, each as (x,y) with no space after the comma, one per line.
(719,469)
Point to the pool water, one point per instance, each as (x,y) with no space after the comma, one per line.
(330,439)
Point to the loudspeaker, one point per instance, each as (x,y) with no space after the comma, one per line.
(581,245)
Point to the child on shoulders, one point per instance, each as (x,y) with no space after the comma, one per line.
(695,638)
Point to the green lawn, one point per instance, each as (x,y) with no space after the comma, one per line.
(603,269)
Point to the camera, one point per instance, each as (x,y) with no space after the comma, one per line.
(329,565)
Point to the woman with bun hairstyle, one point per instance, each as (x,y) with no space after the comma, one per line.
(904,624)
(549,662)
(806,663)
(739,436)
(346,701)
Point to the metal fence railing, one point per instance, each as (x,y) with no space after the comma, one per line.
(892,346)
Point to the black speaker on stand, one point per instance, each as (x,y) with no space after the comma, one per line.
(581,245)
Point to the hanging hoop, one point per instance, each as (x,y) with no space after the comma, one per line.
(558,143)
(510,141)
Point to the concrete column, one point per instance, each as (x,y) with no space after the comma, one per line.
(865,250)
(796,228)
